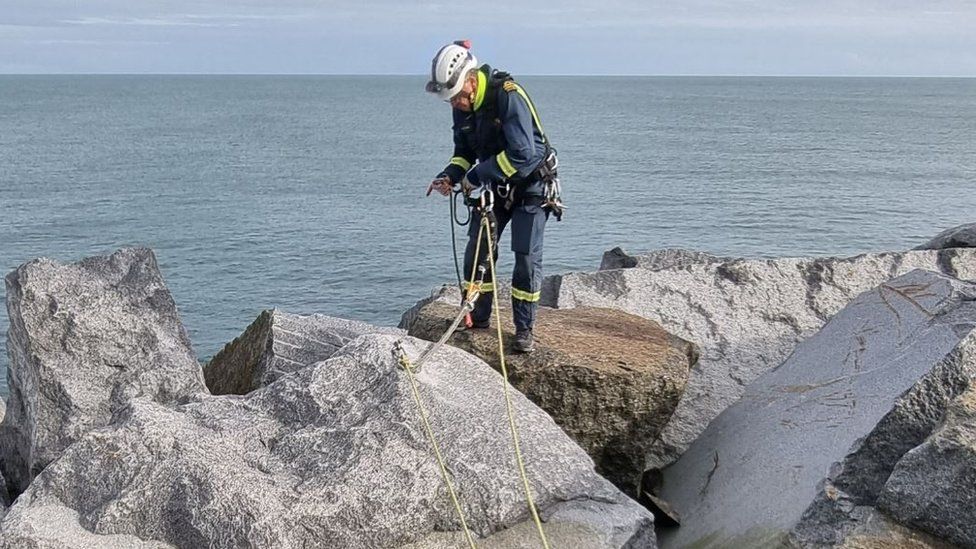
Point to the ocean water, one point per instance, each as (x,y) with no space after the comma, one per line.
(307,193)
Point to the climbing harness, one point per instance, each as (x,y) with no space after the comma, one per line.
(484,201)
(547,172)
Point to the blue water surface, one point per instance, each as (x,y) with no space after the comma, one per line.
(307,193)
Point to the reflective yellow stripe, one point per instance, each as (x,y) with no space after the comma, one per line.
(505,165)
(460,161)
(526,296)
(486,287)
(531,107)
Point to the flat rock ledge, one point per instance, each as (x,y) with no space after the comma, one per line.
(803,457)
(277,344)
(332,455)
(84,339)
(747,316)
(610,379)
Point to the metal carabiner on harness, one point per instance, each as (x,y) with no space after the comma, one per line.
(481,198)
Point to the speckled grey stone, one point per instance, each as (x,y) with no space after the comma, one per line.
(962,236)
(934,486)
(55,526)
(84,338)
(874,530)
(745,315)
(817,437)
(669,258)
(332,456)
(4,495)
(279,343)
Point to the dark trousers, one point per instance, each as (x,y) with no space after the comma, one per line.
(528,225)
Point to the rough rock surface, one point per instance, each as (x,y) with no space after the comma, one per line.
(277,344)
(333,455)
(57,527)
(746,315)
(876,531)
(817,437)
(610,379)
(669,258)
(4,495)
(963,236)
(934,486)
(84,338)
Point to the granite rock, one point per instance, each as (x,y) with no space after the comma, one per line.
(279,343)
(874,530)
(814,440)
(933,487)
(963,236)
(332,455)
(745,315)
(610,379)
(669,258)
(84,338)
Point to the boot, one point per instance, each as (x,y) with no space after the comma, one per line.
(523,341)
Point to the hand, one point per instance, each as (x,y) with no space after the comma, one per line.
(467,186)
(441,185)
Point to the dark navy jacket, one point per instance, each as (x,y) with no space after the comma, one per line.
(502,138)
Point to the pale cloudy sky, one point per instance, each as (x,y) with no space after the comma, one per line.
(767,37)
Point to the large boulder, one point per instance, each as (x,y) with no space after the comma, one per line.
(934,486)
(333,455)
(84,338)
(812,442)
(610,379)
(279,343)
(746,315)
(963,236)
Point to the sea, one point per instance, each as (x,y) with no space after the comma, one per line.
(307,193)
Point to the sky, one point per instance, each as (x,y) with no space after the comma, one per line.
(605,37)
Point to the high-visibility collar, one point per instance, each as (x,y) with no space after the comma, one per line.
(479,96)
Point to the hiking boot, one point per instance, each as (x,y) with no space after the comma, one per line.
(523,341)
(475,325)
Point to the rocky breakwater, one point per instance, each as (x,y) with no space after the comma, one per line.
(332,454)
(813,446)
(746,315)
(610,379)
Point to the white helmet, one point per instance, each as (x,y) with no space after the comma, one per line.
(448,68)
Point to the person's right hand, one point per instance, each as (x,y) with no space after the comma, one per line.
(441,185)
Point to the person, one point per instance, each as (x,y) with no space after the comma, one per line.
(499,144)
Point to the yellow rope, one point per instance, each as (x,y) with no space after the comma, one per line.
(405,362)
(477,250)
(508,402)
